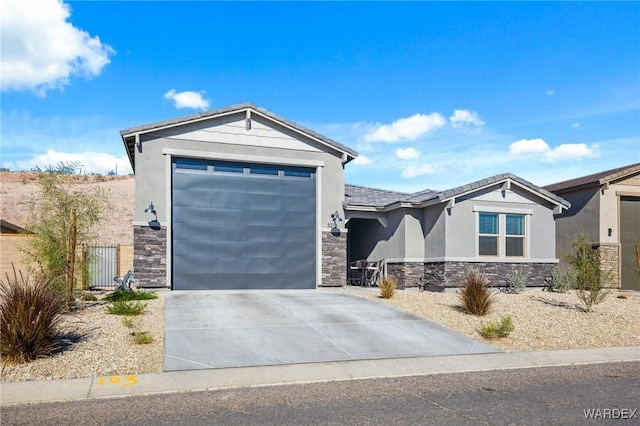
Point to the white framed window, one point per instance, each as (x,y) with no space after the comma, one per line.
(488,234)
(501,234)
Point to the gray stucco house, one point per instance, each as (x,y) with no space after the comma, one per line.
(606,207)
(240,198)
(431,238)
(236,197)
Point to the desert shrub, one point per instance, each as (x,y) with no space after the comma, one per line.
(387,287)
(29,318)
(475,295)
(562,279)
(497,330)
(128,295)
(593,281)
(516,281)
(128,322)
(130,308)
(88,297)
(142,338)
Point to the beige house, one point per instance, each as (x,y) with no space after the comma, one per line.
(605,206)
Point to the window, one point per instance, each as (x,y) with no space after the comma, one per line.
(228,168)
(501,234)
(298,172)
(187,164)
(488,234)
(514,240)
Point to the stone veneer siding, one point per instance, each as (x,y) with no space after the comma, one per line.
(610,261)
(334,259)
(408,274)
(150,256)
(451,274)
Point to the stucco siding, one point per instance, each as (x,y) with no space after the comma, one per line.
(413,234)
(609,208)
(582,217)
(152,171)
(461,226)
(435,231)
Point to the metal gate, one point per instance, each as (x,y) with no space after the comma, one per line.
(102,264)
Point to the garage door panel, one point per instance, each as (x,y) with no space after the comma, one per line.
(243,231)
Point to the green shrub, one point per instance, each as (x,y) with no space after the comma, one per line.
(129,308)
(127,295)
(475,295)
(495,330)
(142,338)
(562,279)
(516,281)
(594,282)
(29,318)
(387,287)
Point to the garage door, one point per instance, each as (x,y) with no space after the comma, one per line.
(630,242)
(242,226)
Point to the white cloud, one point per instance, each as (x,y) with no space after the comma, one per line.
(41,50)
(528,146)
(90,162)
(407,153)
(576,125)
(413,171)
(362,160)
(571,151)
(410,128)
(550,92)
(187,99)
(463,118)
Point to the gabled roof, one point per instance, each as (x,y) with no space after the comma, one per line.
(129,135)
(355,195)
(10,228)
(597,178)
(389,200)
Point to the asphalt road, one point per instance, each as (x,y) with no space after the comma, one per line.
(539,396)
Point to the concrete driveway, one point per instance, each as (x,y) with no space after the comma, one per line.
(221,329)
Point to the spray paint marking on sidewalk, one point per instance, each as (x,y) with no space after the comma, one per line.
(123,381)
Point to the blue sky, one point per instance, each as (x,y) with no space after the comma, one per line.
(432,95)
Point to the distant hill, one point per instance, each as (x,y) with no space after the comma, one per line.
(17,188)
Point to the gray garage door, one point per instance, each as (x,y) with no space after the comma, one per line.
(243,226)
(630,242)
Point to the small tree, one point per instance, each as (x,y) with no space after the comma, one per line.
(592,280)
(62,218)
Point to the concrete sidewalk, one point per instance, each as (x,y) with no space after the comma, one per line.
(194,380)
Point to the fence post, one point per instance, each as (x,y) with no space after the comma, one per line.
(85,267)
(118,272)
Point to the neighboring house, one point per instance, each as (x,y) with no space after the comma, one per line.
(606,207)
(432,237)
(236,198)
(12,241)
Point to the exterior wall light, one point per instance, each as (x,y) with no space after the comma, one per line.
(152,210)
(335,217)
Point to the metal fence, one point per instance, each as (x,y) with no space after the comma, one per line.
(102,263)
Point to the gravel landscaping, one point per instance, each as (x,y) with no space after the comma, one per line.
(104,346)
(543,321)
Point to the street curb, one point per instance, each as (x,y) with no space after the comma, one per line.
(196,380)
